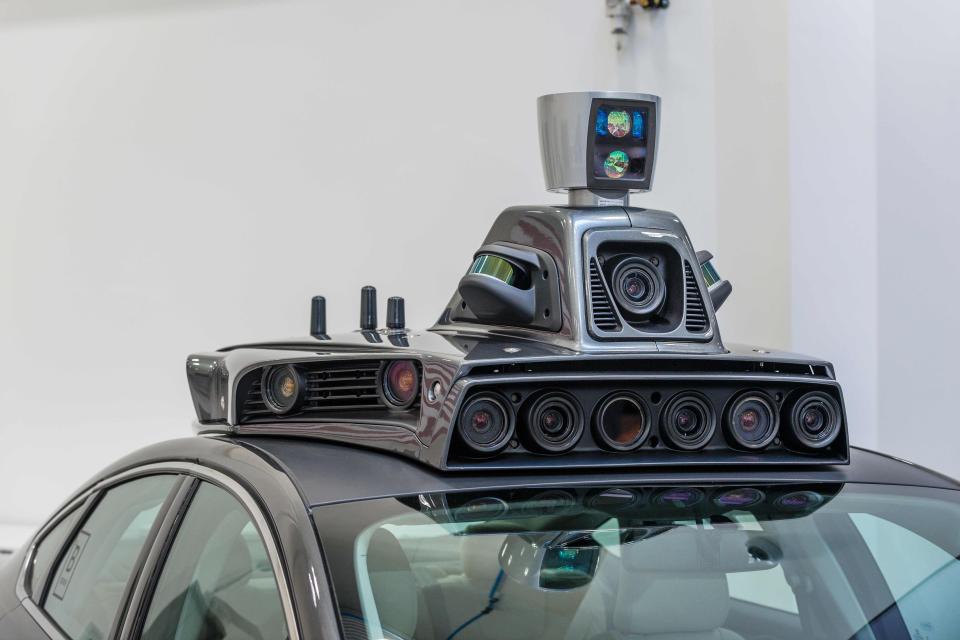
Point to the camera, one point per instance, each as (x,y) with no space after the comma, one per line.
(580,335)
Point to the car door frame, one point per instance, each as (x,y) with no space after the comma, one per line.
(150,561)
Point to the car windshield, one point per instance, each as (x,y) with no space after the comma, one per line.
(756,562)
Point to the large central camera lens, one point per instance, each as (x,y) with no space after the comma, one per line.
(688,421)
(622,423)
(555,422)
(815,420)
(638,287)
(485,423)
(752,420)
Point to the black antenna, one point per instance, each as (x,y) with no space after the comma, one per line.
(395,313)
(368,308)
(318,317)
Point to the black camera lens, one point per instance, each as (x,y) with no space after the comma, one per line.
(622,422)
(485,423)
(554,422)
(282,388)
(752,420)
(638,287)
(815,419)
(688,421)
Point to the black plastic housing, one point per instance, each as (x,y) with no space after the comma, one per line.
(656,391)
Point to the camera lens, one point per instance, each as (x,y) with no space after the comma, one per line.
(281,388)
(485,423)
(622,422)
(400,383)
(752,420)
(688,421)
(554,423)
(638,287)
(815,420)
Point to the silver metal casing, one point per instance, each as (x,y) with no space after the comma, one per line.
(565,127)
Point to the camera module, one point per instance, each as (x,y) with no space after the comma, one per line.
(815,420)
(688,421)
(752,420)
(638,287)
(485,423)
(555,422)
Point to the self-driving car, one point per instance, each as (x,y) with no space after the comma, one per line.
(571,451)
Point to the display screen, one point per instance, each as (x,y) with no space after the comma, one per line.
(620,142)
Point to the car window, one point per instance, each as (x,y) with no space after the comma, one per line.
(47,550)
(90,580)
(576,563)
(766,588)
(217,581)
(922,576)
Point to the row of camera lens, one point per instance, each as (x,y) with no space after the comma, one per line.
(622,421)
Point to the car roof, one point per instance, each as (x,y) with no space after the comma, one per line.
(328,473)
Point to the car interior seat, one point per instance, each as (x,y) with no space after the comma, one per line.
(671,606)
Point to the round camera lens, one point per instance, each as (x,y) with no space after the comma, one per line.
(281,388)
(554,423)
(752,420)
(622,422)
(815,420)
(638,287)
(485,424)
(688,421)
(400,383)
(618,123)
(616,164)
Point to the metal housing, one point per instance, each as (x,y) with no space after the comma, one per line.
(565,127)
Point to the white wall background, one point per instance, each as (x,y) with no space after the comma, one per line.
(177,176)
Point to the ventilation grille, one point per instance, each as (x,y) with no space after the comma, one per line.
(604,317)
(696,313)
(329,387)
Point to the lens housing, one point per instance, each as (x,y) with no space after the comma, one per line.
(282,387)
(688,421)
(622,422)
(752,420)
(400,383)
(554,422)
(486,423)
(815,420)
(638,287)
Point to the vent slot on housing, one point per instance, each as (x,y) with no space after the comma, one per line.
(601,309)
(696,313)
(342,386)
